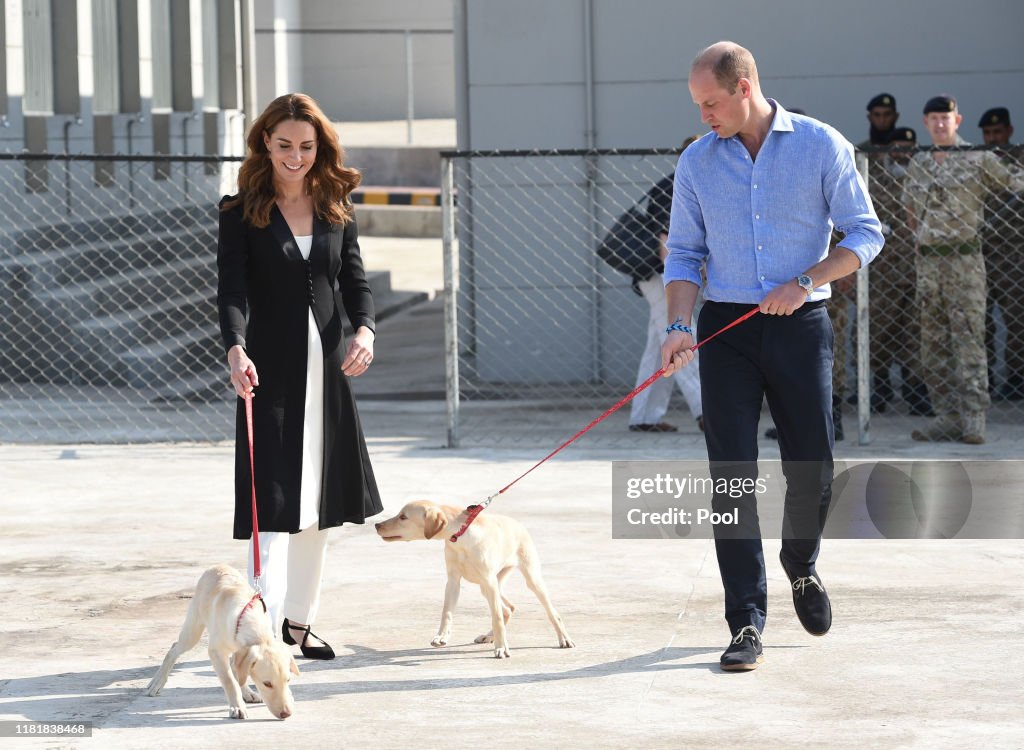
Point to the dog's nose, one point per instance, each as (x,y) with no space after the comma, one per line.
(285,713)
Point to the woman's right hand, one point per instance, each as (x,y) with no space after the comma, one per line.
(243,371)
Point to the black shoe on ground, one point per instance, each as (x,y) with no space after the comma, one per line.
(744,653)
(324,652)
(810,601)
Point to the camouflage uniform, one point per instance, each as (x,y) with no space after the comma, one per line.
(1003,245)
(946,203)
(893,308)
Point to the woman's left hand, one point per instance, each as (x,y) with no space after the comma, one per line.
(360,353)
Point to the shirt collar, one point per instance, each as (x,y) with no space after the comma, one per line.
(783,120)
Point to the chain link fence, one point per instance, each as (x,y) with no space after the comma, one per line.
(108,321)
(548,319)
(108,326)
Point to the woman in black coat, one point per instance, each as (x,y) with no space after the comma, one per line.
(288,261)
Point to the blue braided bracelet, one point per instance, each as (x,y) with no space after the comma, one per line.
(679,327)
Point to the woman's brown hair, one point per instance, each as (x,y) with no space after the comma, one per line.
(329,181)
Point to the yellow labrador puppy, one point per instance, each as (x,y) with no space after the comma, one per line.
(488,551)
(241,644)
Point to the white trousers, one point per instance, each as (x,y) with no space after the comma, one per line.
(650,405)
(292,566)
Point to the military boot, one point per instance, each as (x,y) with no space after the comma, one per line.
(944,428)
(974,428)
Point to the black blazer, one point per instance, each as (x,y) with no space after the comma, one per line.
(264,292)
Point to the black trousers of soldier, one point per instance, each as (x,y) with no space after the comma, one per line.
(788,361)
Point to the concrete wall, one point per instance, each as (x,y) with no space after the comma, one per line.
(525,63)
(351,56)
(601,73)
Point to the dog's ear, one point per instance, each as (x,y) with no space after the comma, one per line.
(244,659)
(434,523)
(292,666)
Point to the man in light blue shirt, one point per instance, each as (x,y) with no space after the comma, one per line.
(755,202)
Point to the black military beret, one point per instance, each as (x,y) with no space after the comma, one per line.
(995,116)
(940,103)
(882,100)
(902,134)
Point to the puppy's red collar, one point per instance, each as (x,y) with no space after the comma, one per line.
(256,597)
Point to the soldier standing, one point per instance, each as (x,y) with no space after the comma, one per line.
(894,315)
(1002,242)
(944,192)
(882,118)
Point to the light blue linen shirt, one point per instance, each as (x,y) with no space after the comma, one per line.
(760,223)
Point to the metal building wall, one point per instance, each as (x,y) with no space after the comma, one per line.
(569,74)
(352,57)
(523,66)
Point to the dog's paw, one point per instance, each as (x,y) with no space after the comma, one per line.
(502,652)
(153,690)
(439,640)
(251,696)
(237,712)
(485,638)
(564,641)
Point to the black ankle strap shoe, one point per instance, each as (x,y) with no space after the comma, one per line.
(324,652)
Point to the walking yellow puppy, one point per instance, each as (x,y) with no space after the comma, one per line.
(241,644)
(489,550)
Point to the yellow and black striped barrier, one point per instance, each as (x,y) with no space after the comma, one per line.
(396,196)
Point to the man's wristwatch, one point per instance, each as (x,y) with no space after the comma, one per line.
(805,283)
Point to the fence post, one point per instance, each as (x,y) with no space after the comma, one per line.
(863,336)
(451,301)
(410,91)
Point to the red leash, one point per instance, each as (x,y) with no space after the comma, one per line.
(475,510)
(256,569)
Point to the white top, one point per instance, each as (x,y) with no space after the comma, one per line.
(313,421)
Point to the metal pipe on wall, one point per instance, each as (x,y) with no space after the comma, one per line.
(247,17)
(463,226)
(410,91)
(590,172)
(451,300)
(76,120)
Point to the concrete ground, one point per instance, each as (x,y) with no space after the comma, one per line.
(102,545)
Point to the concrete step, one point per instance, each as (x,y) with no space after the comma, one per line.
(207,387)
(129,291)
(212,384)
(74,234)
(379,283)
(399,221)
(148,324)
(106,258)
(193,351)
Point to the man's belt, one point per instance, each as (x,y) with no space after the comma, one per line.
(964,248)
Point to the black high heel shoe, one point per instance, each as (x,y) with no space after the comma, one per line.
(324,652)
